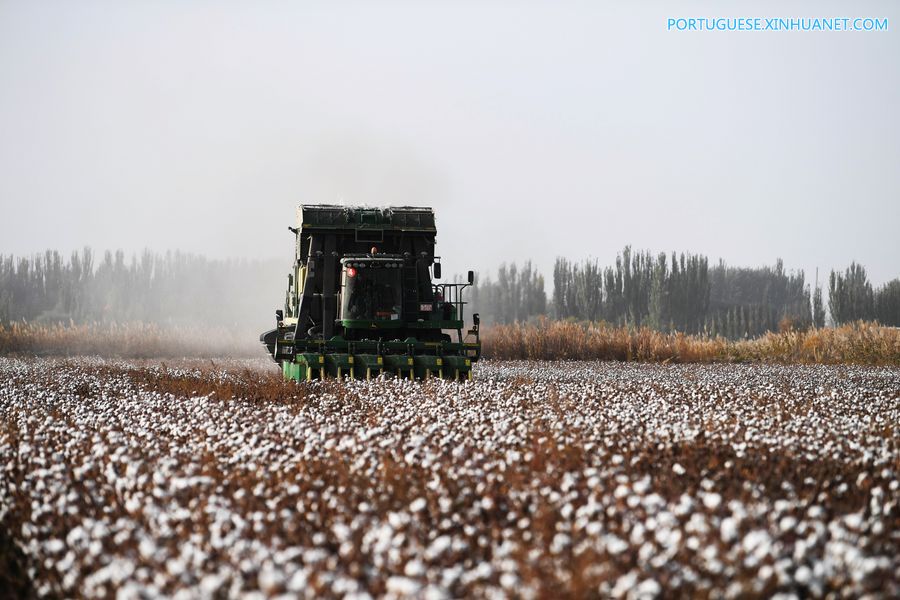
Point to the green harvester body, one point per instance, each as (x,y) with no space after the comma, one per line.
(361,300)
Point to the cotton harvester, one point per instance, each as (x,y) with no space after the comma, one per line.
(361,302)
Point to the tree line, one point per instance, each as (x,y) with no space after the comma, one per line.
(851,297)
(668,292)
(171,288)
(516,295)
(683,292)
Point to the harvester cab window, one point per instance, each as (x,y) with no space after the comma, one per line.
(371,292)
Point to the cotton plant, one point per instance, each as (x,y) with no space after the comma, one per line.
(192,479)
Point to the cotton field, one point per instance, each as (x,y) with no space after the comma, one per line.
(217,479)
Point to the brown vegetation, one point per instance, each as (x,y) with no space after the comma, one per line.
(128,340)
(858,343)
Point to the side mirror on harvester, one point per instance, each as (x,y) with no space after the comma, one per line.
(471,277)
(437,270)
(279,316)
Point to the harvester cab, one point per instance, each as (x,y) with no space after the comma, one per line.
(361,300)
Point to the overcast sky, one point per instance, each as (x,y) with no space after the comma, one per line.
(535,130)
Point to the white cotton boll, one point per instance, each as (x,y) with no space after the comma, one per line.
(341,531)
(685,505)
(176,567)
(414,568)
(815,512)
(211,584)
(615,545)
(398,520)
(147,548)
(131,590)
(712,501)
(803,575)
(787,523)
(508,581)
(560,542)
(642,486)
(637,533)
(433,592)
(648,588)
(653,502)
(668,538)
(854,521)
(594,528)
(314,556)
(782,506)
(623,585)
(757,542)
(133,503)
(729,529)
(697,524)
(270,579)
(298,581)
(438,547)
(403,586)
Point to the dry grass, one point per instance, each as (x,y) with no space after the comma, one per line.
(128,340)
(858,343)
